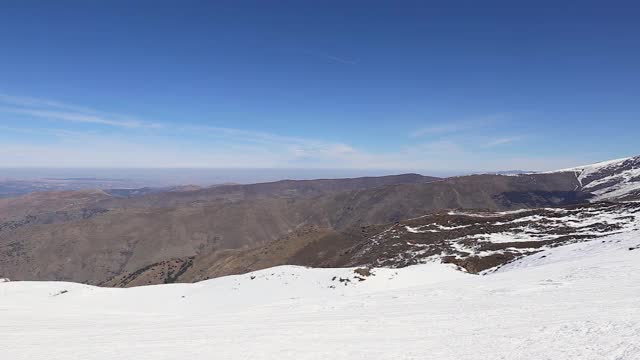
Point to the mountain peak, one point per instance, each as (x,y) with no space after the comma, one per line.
(610,180)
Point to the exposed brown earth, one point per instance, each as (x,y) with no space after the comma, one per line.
(48,202)
(467,239)
(224,229)
(292,189)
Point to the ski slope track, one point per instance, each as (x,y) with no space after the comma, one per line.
(578,301)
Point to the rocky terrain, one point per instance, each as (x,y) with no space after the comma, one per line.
(610,180)
(485,241)
(124,239)
(475,241)
(578,301)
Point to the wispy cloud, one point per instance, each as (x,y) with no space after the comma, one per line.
(245,135)
(54,110)
(52,132)
(25,101)
(183,145)
(458,126)
(295,148)
(503,141)
(78,117)
(441,129)
(333,58)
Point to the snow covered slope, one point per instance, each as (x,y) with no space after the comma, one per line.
(610,180)
(480,241)
(580,301)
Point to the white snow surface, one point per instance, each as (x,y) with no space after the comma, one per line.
(580,301)
(596,166)
(615,186)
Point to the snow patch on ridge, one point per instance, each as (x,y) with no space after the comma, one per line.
(609,180)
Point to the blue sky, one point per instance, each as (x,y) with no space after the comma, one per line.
(440,86)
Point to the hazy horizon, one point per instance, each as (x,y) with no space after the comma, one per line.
(202,177)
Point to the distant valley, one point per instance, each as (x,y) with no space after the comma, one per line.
(11,187)
(149,236)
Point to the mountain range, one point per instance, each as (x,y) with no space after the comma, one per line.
(138,237)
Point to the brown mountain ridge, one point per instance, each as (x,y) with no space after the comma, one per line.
(196,234)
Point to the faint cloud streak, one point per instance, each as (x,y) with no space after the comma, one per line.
(54,110)
(503,141)
(333,58)
(457,126)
